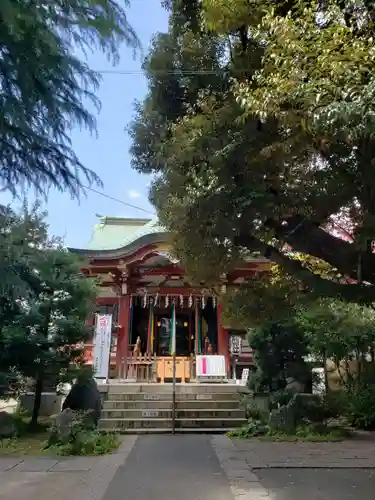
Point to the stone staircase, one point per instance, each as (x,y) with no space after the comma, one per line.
(136,408)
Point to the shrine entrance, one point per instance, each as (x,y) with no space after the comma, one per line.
(184,334)
(141,284)
(150,325)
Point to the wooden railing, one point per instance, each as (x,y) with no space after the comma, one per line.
(147,367)
(164,368)
(141,368)
(151,368)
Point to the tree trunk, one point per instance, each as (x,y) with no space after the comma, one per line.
(40,374)
(37,398)
(359,365)
(325,371)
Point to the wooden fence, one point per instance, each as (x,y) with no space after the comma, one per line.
(151,368)
(141,368)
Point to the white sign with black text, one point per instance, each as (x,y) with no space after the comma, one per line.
(245,376)
(235,344)
(102,345)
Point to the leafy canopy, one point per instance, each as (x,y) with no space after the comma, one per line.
(280,351)
(43,313)
(337,330)
(46,89)
(258,126)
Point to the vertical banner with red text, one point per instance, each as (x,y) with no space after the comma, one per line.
(102,345)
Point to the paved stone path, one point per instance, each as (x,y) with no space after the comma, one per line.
(169,468)
(186,467)
(318,484)
(78,478)
(352,454)
(312,471)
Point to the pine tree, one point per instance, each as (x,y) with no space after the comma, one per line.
(43,319)
(45,89)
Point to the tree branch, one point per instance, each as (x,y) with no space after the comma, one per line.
(307,237)
(317,284)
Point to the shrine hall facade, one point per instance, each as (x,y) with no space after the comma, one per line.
(140,282)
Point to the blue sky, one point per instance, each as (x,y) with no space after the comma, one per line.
(108,155)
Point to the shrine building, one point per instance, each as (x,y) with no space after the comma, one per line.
(140,284)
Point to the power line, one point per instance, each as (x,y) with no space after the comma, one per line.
(178,72)
(119,201)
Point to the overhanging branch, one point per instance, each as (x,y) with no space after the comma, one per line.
(307,237)
(318,285)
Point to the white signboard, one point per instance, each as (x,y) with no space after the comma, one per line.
(245,376)
(203,397)
(151,397)
(150,414)
(319,382)
(211,366)
(235,345)
(102,345)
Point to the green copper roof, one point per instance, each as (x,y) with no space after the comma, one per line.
(113,233)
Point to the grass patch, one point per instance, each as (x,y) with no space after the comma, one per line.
(89,442)
(27,440)
(309,433)
(34,441)
(329,436)
(26,445)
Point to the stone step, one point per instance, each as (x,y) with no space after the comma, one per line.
(211,388)
(167,414)
(167,396)
(192,430)
(180,405)
(166,423)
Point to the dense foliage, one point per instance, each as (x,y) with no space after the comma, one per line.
(338,331)
(43,306)
(345,334)
(259,126)
(46,89)
(81,438)
(280,350)
(332,334)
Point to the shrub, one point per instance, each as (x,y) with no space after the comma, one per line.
(310,432)
(336,402)
(360,407)
(75,434)
(280,398)
(310,408)
(88,442)
(252,428)
(252,410)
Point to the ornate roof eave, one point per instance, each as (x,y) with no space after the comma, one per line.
(148,239)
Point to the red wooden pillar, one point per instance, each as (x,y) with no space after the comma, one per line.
(150,340)
(123,331)
(222,338)
(226,350)
(88,349)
